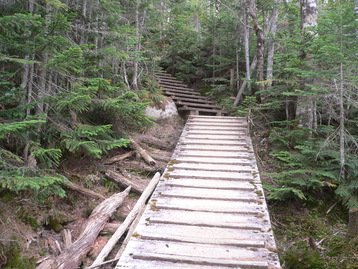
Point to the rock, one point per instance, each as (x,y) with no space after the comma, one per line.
(164,110)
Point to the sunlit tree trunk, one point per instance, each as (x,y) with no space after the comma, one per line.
(271,44)
(259,45)
(304,107)
(247,48)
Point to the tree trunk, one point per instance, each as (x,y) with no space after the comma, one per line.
(259,47)
(271,45)
(304,107)
(247,47)
(353,222)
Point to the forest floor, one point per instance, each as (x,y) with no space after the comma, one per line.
(309,235)
(32,230)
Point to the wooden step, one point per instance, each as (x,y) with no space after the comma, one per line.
(191,108)
(198,105)
(185,91)
(193,100)
(192,95)
(173,84)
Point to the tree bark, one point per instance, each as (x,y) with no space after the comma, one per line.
(118,158)
(146,157)
(304,106)
(131,216)
(137,185)
(247,47)
(71,258)
(353,222)
(271,45)
(259,46)
(135,165)
(84,191)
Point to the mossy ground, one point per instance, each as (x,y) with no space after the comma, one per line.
(308,236)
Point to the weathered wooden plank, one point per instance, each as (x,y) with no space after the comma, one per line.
(201,193)
(223,148)
(201,235)
(159,264)
(200,174)
(205,219)
(202,139)
(212,160)
(216,132)
(236,125)
(198,250)
(202,261)
(193,100)
(190,137)
(207,205)
(211,128)
(213,167)
(211,184)
(183,94)
(198,153)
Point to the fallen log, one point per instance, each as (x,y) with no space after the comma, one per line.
(146,157)
(118,158)
(110,228)
(71,258)
(84,191)
(135,165)
(137,185)
(161,158)
(156,143)
(139,206)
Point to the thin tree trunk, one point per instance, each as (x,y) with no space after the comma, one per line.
(259,46)
(253,64)
(137,33)
(271,45)
(247,47)
(304,109)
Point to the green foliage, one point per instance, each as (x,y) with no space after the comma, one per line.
(18,128)
(13,257)
(40,181)
(307,167)
(91,140)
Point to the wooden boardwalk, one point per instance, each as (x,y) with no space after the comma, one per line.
(208,210)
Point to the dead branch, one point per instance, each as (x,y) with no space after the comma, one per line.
(156,143)
(71,258)
(67,238)
(118,158)
(146,157)
(136,184)
(139,206)
(84,191)
(110,228)
(135,165)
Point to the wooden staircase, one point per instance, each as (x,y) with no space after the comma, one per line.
(187,99)
(208,210)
